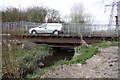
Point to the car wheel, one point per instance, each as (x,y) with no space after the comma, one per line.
(34,32)
(56,32)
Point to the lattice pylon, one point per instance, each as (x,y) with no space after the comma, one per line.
(112,15)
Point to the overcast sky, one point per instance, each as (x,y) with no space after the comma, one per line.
(94,7)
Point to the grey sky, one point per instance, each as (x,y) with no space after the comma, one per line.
(94,7)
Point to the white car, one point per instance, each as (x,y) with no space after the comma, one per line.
(54,28)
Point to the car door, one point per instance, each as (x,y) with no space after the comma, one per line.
(42,28)
(49,29)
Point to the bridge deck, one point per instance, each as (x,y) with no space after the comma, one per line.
(62,35)
(62,38)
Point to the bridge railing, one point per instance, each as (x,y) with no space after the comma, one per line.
(70,28)
(21,27)
(89,29)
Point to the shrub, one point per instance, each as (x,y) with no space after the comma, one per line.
(44,47)
(28,63)
(20,61)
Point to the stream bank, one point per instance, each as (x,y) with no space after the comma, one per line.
(103,65)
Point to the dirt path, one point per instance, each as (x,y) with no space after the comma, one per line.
(103,65)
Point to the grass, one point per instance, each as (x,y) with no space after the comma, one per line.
(86,53)
(105,44)
(19,60)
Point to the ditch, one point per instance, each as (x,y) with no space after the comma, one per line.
(59,54)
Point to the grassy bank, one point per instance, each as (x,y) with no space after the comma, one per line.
(18,61)
(105,44)
(85,53)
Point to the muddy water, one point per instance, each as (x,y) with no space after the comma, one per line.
(59,54)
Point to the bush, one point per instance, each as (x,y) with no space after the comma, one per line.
(28,63)
(21,61)
(44,47)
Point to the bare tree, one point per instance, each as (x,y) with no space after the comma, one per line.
(53,16)
(78,14)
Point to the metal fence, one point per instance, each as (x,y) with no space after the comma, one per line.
(89,30)
(18,26)
(70,28)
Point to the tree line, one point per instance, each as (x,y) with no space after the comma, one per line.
(33,14)
(42,15)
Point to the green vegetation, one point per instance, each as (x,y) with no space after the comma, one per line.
(105,44)
(31,14)
(21,61)
(85,53)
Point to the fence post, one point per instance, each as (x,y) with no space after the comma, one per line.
(76,29)
(68,28)
(8,26)
(79,29)
(26,28)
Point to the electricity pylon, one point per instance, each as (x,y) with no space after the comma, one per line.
(111,19)
(114,14)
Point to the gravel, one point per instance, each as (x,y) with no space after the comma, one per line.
(103,65)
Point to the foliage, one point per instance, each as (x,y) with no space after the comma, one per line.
(44,47)
(105,44)
(9,63)
(28,63)
(12,14)
(53,16)
(36,14)
(31,14)
(86,53)
(77,49)
(114,43)
(20,60)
